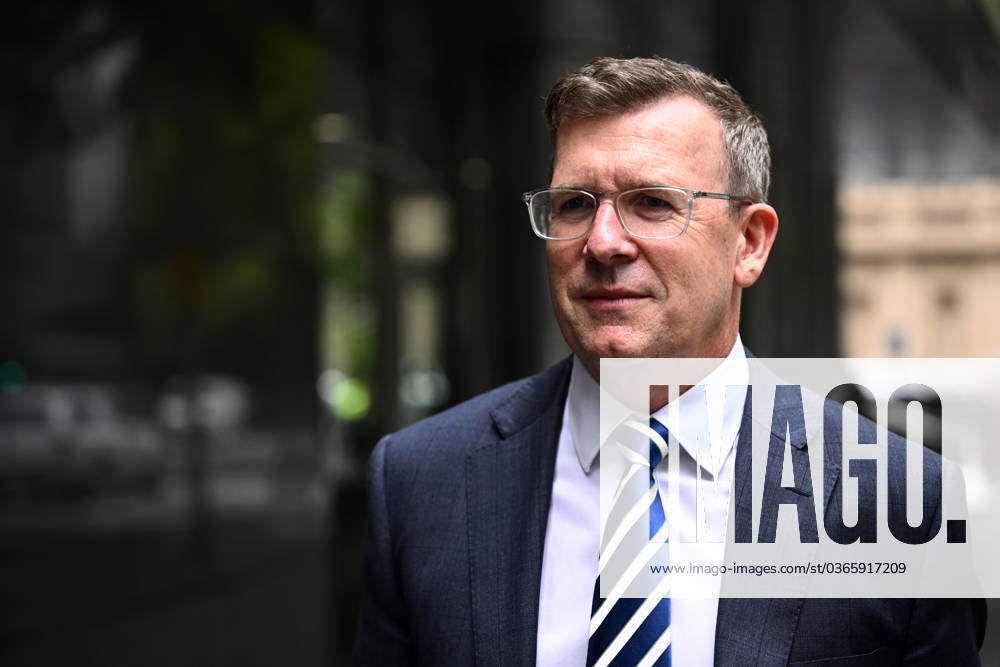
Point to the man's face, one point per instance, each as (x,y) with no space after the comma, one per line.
(620,296)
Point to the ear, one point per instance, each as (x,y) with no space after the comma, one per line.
(758,230)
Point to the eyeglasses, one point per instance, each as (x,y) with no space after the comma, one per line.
(661,212)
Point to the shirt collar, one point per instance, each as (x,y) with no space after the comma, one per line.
(583,413)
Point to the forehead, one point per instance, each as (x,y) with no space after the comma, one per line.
(674,141)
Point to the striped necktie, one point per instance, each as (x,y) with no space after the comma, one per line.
(634,631)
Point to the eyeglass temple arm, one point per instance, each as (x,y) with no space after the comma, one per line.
(717,195)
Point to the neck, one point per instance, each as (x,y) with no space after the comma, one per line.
(659,395)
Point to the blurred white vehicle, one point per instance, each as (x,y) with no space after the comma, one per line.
(73,438)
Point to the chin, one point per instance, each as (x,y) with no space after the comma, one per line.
(617,348)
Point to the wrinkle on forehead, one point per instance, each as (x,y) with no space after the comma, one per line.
(677,141)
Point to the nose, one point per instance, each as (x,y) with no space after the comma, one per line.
(608,242)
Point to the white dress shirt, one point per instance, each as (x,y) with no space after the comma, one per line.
(572,536)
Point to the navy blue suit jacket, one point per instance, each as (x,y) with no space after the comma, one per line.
(458,505)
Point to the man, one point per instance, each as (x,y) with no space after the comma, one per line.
(483,521)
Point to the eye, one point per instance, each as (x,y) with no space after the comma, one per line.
(576,203)
(654,206)
(652,201)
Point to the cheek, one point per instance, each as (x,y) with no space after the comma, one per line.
(556,273)
(713,255)
(693,276)
(559,280)
(560,263)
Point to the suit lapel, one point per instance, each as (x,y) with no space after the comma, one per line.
(745,625)
(760,630)
(509,488)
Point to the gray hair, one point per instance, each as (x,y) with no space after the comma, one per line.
(611,86)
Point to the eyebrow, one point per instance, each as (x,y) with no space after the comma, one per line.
(636,185)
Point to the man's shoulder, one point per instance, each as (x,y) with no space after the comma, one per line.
(473,422)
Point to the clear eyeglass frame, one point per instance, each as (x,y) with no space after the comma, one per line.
(529,197)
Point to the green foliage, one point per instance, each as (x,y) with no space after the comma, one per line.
(225,186)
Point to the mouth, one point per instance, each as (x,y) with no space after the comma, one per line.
(612,298)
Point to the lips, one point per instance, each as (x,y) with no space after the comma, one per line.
(612,298)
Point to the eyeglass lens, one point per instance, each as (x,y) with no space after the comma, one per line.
(649,212)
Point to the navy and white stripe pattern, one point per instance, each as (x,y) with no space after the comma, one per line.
(634,631)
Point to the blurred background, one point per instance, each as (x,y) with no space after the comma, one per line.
(239,242)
